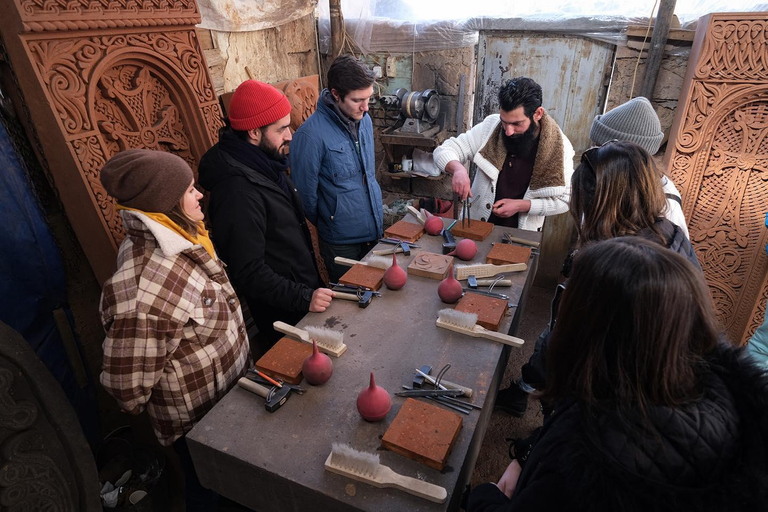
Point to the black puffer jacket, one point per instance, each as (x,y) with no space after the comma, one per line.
(709,455)
(262,236)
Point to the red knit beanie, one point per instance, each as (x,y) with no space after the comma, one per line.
(255,105)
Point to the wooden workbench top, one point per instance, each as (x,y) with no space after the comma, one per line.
(275,461)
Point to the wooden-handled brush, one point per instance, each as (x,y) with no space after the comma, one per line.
(466,323)
(373,261)
(365,467)
(416,213)
(329,341)
(488,270)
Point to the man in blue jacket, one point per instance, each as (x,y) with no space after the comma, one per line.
(333,166)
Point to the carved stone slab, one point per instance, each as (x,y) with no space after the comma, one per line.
(285,359)
(490,311)
(423,432)
(431,265)
(363,275)
(475,230)
(501,254)
(717,157)
(45,462)
(100,77)
(404,230)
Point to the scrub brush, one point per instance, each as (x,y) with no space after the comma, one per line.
(365,467)
(328,341)
(466,323)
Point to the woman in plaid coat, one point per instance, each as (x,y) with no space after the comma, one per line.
(176,340)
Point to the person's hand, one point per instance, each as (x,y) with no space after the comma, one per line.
(460,181)
(321,299)
(508,207)
(508,480)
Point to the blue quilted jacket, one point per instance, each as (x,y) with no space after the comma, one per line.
(336,178)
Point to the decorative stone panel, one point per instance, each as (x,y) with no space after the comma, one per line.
(718,157)
(102,76)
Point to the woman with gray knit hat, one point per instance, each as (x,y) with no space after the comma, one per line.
(176,340)
(636,121)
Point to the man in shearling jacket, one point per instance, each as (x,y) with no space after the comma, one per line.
(524,161)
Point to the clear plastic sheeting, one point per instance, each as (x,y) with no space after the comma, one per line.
(251,15)
(404,26)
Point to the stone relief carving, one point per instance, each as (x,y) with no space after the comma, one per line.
(719,159)
(302,93)
(116,92)
(49,15)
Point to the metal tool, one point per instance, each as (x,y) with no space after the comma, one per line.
(361,294)
(397,241)
(354,289)
(259,378)
(451,403)
(274,397)
(450,242)
(501,296)
(431,392)
(508,238)
(498,281)
(444,384)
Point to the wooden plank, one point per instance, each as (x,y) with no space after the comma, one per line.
(675,34)
(431,265)
(284,360)
(206,38)
(490,311)
(423,432)
(502,254)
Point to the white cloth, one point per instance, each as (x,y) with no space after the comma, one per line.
(544,201)
(674,210)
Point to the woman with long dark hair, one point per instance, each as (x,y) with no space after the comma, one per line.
(615,191)
(652,410)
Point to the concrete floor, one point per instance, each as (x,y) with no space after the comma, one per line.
(494,453)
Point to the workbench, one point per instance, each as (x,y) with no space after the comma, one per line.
(274,461)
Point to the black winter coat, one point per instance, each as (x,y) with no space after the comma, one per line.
(262,236)
(708,455)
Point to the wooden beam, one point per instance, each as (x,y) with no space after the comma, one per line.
(658,40)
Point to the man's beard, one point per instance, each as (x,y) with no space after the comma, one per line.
(271,151)
(521,145)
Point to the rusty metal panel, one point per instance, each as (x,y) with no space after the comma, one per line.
(718,156)
(574,73)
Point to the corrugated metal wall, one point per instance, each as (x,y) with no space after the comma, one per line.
(574,73)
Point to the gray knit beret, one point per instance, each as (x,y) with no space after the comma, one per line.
(150,181)
(634,121)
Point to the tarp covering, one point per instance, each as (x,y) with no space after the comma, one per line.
(250,15)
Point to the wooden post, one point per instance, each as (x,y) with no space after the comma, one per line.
(337,28)
(656,51)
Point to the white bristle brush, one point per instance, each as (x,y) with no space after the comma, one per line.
(328,341)
(373,261)
(466,323)
(365,467)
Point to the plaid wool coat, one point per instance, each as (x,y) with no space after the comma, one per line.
(176,340)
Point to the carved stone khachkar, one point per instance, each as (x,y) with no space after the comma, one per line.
(718,157)
(45,462)
(98,77)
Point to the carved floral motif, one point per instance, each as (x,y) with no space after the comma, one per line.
(113,92)
(735,49)
(720,162)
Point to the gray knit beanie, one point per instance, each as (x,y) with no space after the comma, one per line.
(147,180)
(634,121)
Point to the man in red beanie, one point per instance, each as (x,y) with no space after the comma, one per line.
(257,218)
(333,164)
